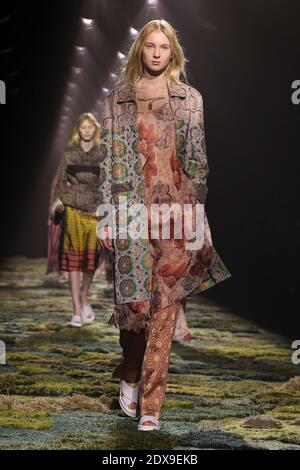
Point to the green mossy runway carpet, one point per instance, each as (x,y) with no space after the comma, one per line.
(56,390)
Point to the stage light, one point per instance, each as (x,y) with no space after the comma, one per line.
(152,3)
(81,49)
(133,31)
(87,22)
(121,55)
(105,90)
(76,70)
(71,87)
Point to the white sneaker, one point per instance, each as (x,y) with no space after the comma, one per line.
(145,427)
(127,396)
(87,314)
(76,320)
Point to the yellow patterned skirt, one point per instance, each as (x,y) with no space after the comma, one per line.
(79,246)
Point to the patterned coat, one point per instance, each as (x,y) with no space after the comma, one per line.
(121,174)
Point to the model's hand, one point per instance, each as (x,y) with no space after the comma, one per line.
(57,206)
(107,242)
(60,208)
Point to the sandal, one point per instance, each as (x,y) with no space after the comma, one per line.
(145,427)
(87,314)
(128,395)
(76,320)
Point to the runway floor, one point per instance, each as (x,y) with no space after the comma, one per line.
(56,390)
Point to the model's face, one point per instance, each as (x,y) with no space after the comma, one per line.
(156,52)
(87,131)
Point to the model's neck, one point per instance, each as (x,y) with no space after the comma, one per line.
(86,146)
(154,81)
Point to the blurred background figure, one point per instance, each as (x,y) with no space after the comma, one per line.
(54,233)
(73,209)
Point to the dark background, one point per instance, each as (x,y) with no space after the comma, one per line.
(243,58)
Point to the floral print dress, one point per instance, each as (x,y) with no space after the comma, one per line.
(176,271)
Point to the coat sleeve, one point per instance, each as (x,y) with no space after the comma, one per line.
(62,186)
(106,152)
(196,148)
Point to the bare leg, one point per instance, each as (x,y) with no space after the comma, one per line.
(74,277)
(86,283)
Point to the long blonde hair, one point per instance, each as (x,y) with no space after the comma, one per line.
(133,67)
(75,136)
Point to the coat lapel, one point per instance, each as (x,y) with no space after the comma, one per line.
(127,92)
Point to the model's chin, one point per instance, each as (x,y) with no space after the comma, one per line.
(155,69)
